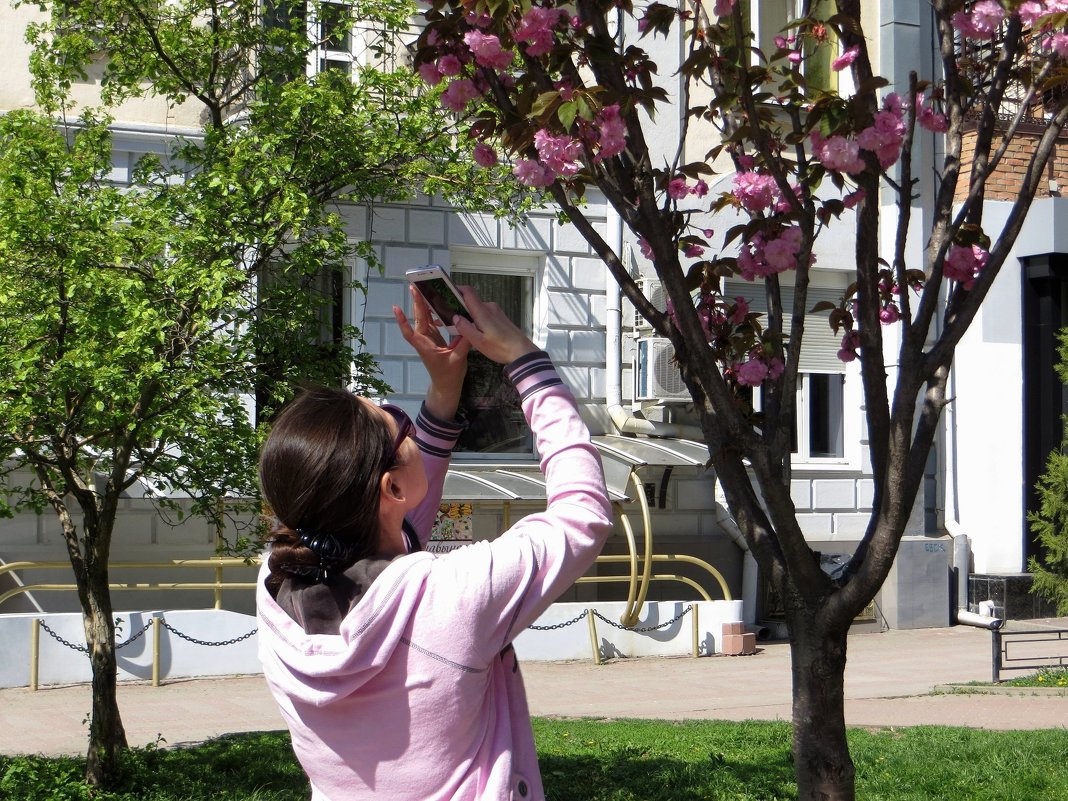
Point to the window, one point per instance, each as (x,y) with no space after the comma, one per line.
(328,25)
(334,37)
(769,18)
(821,434)
(489,403)
(818,429)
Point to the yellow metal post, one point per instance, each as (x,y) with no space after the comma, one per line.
(593,637)
(218,586)
(35,651)
(155,652)
(696,631)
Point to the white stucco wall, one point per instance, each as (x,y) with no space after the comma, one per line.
(984,423)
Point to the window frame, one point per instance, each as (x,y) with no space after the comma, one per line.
(528,267)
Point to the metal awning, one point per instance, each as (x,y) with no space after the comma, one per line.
(523,481)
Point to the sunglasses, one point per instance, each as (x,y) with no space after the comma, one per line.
(405,427)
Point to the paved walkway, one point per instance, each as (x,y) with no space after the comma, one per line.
(892,679)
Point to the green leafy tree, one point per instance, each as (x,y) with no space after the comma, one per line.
(138,320)
(1050,522)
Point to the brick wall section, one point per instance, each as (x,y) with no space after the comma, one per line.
(1007,178)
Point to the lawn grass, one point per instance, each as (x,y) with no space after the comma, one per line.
(619,760)
(1048,677)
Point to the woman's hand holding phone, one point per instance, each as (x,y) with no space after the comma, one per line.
(492,334)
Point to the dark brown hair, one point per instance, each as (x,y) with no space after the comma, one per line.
(320,471)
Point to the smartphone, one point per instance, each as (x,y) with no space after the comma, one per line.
(440,293)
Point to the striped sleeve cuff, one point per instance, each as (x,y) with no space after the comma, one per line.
(435,436)
(532,372)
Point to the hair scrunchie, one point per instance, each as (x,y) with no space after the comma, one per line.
(330,550)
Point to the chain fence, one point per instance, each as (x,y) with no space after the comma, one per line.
(638,629)
(133,638)
(585,614)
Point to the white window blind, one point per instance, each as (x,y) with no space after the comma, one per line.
(820,345)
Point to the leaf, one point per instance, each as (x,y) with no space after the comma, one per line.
(544,103)
(566,113)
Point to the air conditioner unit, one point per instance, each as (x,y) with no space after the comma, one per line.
(656,375)
(653,289)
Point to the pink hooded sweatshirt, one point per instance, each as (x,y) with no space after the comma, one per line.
(419,695)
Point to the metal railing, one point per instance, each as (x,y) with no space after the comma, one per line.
(1027,650)
(217,586)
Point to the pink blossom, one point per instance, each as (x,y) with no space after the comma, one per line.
(449,65)
(430,73)
(677,188)
(794,57)
(760,257)
(566,90)
(487,50)
(613,132)
(532,173)
(847,58)
(478,20)
(782,42)
(1058,42)
(1030,12)
(776,367)
(889,314)
(458,94)
(895,105)
(782,205)
(850,343)
(781,253)
(536,27)
(708,233)
(700,188)
(853,198)
(746,162)
(963,264)
(485,155)
(692,251)
(723,7)
(837,153)
(560,154)
(751,373)
(987,15)
(739,311)
(982,22)
(930,119)
(886,134)
(756,192)
(645,248)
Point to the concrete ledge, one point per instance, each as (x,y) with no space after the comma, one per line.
(999,689)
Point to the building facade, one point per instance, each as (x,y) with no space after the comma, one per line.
(1003,419)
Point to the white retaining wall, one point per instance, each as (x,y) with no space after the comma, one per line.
(180,658)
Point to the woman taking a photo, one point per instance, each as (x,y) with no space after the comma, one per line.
(392,667)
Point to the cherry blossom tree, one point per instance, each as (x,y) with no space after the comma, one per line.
(569,93)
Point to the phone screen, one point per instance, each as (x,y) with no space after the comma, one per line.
(442,299)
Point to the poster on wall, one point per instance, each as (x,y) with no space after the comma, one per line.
(452,528)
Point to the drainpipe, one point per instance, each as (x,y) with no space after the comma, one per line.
(962,563)
(626,423)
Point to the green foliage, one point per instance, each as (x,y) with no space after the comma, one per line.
(1050,522)
(143,320)
(1057,678)
(622,760)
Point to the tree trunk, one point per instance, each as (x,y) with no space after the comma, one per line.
(107,736)
(822,764)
